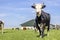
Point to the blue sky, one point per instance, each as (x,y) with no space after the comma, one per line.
(15,12)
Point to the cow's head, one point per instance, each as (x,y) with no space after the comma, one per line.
(38,8)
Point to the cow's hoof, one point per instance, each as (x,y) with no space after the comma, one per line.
(41,36)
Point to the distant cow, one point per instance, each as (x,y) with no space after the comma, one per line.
(42,18)
(24,28)
(17,28)
(1,25)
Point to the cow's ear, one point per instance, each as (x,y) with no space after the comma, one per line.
(43,6)
(33,7)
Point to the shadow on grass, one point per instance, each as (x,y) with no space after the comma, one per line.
(43,36)
(5,32)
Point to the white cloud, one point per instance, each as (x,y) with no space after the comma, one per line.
(56,4)
(52,2)
(3,15)
(55,17)
(16,9)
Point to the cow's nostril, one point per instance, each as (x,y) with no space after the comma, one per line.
(37,12)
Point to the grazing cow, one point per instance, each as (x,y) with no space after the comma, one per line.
(1,25)
(24,28)
(17,28)
(42,18)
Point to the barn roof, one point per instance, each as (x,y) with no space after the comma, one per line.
(28,23)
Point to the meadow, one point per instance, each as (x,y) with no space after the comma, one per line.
(28,35)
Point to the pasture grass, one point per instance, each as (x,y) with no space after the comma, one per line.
(28,35)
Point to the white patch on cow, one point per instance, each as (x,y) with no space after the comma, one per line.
(39,25)
(38,7)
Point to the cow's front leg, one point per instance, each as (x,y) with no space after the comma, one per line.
(37,22)
(42,27)
(38,29)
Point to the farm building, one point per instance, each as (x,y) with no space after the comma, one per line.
(57,26)
(52,26)
(29,25)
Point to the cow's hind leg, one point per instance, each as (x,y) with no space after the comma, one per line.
(48,26)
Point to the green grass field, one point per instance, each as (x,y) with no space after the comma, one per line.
(28,35)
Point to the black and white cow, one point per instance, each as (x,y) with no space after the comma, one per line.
(42,18)
(1,26)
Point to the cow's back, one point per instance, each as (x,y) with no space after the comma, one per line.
(45,15)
